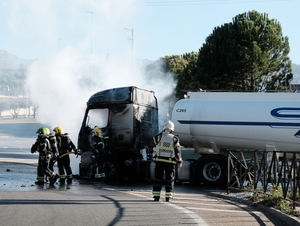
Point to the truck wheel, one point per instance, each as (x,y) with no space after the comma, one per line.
(211,170)
(85,172)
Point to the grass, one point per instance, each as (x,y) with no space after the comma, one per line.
(274,198)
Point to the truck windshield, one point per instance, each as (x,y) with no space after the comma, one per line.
(97,118)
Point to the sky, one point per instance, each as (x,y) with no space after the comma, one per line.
(147,29)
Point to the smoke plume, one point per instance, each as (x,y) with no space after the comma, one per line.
(69,71)
(61,86)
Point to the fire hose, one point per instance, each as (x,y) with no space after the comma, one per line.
(34,164)
(65,154)
(15,162)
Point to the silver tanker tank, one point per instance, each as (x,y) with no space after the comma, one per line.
(236,120)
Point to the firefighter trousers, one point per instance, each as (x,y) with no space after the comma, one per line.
(51,163)
(64,165)
(43,169)
(99,165)
(161,170)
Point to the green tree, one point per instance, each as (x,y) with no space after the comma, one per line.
(183,67)
(250,53)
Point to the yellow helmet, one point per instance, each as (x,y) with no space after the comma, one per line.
(58,130)
(47,131)
(97,132)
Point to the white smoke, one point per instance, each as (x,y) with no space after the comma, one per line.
(68,73)
(61,86)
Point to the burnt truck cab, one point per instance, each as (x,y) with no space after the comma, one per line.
(128,116)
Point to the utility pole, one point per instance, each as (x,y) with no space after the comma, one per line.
(131,39)
(91,31)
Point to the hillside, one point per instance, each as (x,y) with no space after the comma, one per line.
(12,74)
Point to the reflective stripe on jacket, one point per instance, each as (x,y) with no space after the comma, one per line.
(167,148)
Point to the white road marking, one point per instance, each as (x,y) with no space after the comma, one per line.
(205,204)
(194,216)
(176,193)
(183,196)
(223,210)
(196,199)
(190,195)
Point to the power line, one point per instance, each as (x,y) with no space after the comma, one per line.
(201,2)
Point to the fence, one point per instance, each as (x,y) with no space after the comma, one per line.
(263,170)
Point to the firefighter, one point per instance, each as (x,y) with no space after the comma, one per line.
(43,147)
(99,146)
(167,155)
(54,153)
(65,146)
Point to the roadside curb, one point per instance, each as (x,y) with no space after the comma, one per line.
(281,218)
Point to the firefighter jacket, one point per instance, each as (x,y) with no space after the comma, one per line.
(53,144)
(98,143)
(167,148)
(64,144)
(42,146)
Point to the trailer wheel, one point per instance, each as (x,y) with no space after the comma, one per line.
(211,170)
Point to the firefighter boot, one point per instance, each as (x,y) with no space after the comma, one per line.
(39,182)
(62,178)
(167,199)
(69,179)
(156,198)
(53,179)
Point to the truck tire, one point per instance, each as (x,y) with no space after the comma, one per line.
(85,171)
(211,170)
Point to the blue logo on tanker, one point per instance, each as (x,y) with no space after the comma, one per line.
(286,113)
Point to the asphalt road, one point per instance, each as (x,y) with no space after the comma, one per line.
(80,203)
(95,203)
(88,203)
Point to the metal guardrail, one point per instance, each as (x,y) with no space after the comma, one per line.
(263,170)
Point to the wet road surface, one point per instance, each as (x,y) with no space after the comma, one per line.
(80,203)
(95,203)
(85,203)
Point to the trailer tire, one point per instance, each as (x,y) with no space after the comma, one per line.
(211,170)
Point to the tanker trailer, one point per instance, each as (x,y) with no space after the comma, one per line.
(128,116)
(212,122)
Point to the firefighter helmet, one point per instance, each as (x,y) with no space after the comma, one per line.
(97,132)
(43,131)
(58,130)
(169,125)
